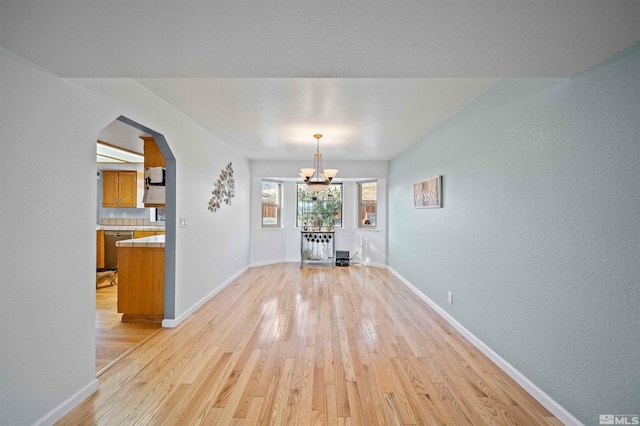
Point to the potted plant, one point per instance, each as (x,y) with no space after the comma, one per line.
(329,209)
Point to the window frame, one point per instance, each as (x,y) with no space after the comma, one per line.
(362,205)
(279,204)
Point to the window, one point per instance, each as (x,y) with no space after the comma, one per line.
(271,204)
(367,204)
(319,209)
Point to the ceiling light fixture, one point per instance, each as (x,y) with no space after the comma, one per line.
(104,159)
(118,154)
(317,178)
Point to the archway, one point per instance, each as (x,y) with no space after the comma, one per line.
(115,339)
(170,224)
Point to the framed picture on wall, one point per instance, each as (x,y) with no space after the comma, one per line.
(428,193)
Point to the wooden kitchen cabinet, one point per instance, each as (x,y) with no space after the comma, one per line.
(100,249)
(141,284)
(119,188)
(152,158)
(142,234)
(110,189)
(152,155)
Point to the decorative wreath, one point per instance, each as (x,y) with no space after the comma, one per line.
(224,189)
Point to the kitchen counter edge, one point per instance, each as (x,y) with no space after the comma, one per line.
(154,241)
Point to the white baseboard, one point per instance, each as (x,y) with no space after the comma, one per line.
(297,260)
(269,262)
(172,323)
(373,264)
(68,405)
(549,403)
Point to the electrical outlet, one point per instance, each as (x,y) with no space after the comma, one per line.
(183,222)
(450,297)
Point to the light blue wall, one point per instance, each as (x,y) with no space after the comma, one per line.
(539,237)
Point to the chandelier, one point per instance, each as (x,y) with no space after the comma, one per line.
(317,178)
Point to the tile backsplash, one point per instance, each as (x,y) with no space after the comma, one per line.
(112,221)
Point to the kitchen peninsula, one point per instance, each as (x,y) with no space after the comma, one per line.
(141,279)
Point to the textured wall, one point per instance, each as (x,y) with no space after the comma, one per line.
(47,227)
(539,237)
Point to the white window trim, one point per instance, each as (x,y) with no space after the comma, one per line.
(359,204)
(278,224)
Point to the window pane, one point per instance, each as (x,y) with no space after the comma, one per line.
(369,192)
(271,203)
(319,209)
(369,215)
(368,204)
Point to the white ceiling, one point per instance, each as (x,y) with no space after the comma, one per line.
(366,119)
(122,135)
(372,76)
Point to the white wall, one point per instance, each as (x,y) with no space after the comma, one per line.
(47,223)
(203,261)
(539,236)
(283,245)
(213,247)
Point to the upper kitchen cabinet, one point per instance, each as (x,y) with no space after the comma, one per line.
(153,161)
(119,188)
(152,155)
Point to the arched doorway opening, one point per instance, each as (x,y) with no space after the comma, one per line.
(128,134)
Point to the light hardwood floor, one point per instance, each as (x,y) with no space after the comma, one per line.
(318,345)
(115,338)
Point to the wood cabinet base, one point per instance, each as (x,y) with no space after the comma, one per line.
(141,283)
(142,318)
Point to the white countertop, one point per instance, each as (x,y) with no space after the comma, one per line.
(155,241)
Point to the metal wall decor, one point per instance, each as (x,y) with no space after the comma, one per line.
(224,189)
